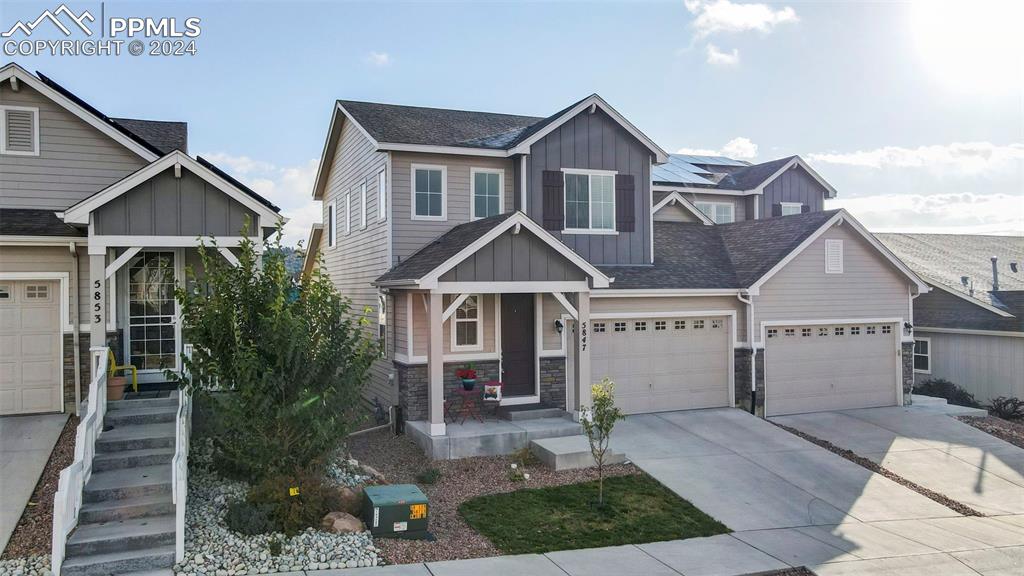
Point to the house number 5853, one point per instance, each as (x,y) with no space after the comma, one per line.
(97,308)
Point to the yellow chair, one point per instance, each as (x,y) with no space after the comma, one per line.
(112,363)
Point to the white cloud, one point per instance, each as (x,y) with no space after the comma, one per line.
(958,158)
(379,59)
(289,187)
(724,16)
(719,58)
(739,148)
(964,213)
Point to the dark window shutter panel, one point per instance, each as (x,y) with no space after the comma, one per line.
(625,208)
(776,209)
(553,187)
(805,209)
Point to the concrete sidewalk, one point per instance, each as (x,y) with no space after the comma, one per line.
(25,446)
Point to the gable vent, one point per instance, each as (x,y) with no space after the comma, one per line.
(833,256)
(20,131)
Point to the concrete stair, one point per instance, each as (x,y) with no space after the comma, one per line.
(570,453)
(126,524)
(520,412)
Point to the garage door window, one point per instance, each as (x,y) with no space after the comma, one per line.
(599,327)
(680,324)
(772,332)
(37,292)
(870,330)
(840,331)
(640,326)
(923,355)
(790,331)
(886,329)
(659,325)
(822,331)
(5,292)
(716,323)
(855,331)
(805,332)
(620,326)
(698,324)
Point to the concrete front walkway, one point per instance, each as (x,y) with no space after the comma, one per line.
(25,446)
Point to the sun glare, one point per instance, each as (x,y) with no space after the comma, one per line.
(975,46)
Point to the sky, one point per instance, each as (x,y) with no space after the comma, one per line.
(913,111)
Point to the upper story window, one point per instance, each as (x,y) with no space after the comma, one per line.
(589,201)
(19,131)
(348,213)
(719,212)
(833,256)
(362,205)
(468,326)
(429,192)
(382,194)
(332,220)
(488,191)
(790,208)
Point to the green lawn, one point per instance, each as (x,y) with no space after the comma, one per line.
(638,510)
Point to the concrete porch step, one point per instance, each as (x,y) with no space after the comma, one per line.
(132,458)
(128,483)
(121,535)
(131,404)
(144,414)
(519,412)
(490,438)
(137,437)
(121,562)
(570,453)
(126,509)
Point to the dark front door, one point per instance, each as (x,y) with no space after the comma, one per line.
(518,352)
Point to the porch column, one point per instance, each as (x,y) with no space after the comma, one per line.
(435,367)
(581,368)
(97,299)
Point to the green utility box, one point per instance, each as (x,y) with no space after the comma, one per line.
(396,511)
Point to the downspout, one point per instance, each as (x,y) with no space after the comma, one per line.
(76,352)
(749,301)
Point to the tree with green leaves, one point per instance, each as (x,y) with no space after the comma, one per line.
(281,360)
(598,421)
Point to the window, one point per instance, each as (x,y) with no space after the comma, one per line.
(382,324)
(659,325)
(833,256)
(716,323)
(362,205)
(822,331)
(589,201)
(719,212)
(790,331)
(805,332)
(839,331)
(488,191)
(348,212)
(870,330)
(923,355)
(382,195)
(331,220)
(37,292)
(680,325)
(790,208)
(5,292)
(772,332)
(19,131)
(429,192)
(640,326)
(599,327)
(698,324)
(467,326)
(886,329)
(620,326)
(855,331)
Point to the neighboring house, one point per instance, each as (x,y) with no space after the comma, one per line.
(537,249)
(970,328)
(98,218)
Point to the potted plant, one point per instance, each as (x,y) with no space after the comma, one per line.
(115,387)
(468,376)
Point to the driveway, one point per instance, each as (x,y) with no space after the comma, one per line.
(25,446)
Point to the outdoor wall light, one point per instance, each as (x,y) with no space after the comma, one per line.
(558,326)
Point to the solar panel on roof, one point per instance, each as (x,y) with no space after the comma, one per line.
(712,160)
(684,165)
(668,173)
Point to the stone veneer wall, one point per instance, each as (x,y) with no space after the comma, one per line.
(113,340)
(907,355)
(742,378)
(552,382)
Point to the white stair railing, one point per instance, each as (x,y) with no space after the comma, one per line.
(179,465)
(67,502)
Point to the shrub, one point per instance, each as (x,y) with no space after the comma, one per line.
(942,388)
(293,513)
(1007,408)
(250,519)
(428,476)
(290,354)
(598,422)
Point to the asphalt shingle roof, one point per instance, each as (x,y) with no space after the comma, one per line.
(166,136)
(755,246)
(32,222)
(752,176)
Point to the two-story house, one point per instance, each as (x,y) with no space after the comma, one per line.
(551,252)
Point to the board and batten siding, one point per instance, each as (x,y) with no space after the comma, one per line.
(596,142)
(410,235)
(169,206)
(360,257)
(514,257)
(75,160)
(870,287)
(985,366)
(793,185)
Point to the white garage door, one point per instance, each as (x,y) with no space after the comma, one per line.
(661,364)
(836,367)
(30,347)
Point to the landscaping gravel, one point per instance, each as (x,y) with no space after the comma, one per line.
(1010,430)
(400,461)
(34,565)
(211,549)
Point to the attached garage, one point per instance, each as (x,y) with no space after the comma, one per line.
(820,367)
(664,363)
(30,347)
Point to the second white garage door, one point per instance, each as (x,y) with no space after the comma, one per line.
(836,367)
(30,347)
(661,364)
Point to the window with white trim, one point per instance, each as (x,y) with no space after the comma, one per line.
(790,208)
(620,326)
(382,194)
(19,131)
(599,327)
(719,212)
(382,325)
(589,201)
(923,355)
(640,326)
(331,223)
(362,205)
(886,329)
(468,325)
(659,325)
(429,192)
(698,324)
(488,191)
(37,292)
(5,292)
(805,332)
(348,213)
(680,324)
(833,256)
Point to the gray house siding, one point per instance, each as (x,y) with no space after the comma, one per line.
(985,366)
(169,206)
(595,141)
(793,185)
(359,257)
(940,309)
(75,160)
(515,258)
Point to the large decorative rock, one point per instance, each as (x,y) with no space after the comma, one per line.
(341,523)
(376,476)
(351,500)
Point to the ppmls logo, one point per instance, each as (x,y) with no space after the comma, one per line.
(163,36)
